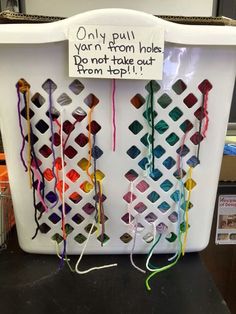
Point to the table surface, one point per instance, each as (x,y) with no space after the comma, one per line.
(32,284)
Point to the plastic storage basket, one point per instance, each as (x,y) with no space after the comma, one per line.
(195,57)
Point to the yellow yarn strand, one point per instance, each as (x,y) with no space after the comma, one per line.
(190,171)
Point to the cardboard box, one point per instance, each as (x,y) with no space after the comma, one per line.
(228,169)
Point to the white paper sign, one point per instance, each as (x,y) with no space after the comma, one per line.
(226,220)
(117,52)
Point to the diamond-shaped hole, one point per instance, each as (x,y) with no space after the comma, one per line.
(73,175)
(68,127)
(140,228)
(54,113)
(171,237)
(95,127)
(126,238)
(205,86)
(64,100)
(81,140)
(135,127)
(68,229)
(40,207)
(173,217)
(175,196)
(44,228)
(179,174)
(49,85)
(33,138)
(86,186)
(59,186)
(166,185)
(77,218)
(196,138)
(96,152)
(175,114)
(146,139)
(97,197)
(199,113)
(179,87)
(36,162)
(152,87)
(161,127)
(88,208)
(91,100)
(76,87)
(169,162)
(140,207)
(57,237)
(35,184)
(183,226)
(186,126)
(144,163)
(148,114)
(137,101)
(23,85)
(190,184)
(133,152)
(185,204)
(142,186)
(190,100)
(155,174)
(83,164)
(129,197)
(159,151)
(103,238)
(164,207)
(45,151)
(131,175)
(67,208)
(80,238)
(127,218)
(54,218)
(24,113)
(88,228)
(99,175)
(148,238)
(172,139)
(151,217)
(79,114)
(58,163)
(38,100)
(182,151)
(48,174)
(153,197)
(51,197)
(56,139)
(75,197)
(193,161)
(41,126)
(161,228)
(164,101)
(70,152)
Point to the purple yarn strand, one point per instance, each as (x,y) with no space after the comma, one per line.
(52,143)
(21,129)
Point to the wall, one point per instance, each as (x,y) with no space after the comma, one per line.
(159,7)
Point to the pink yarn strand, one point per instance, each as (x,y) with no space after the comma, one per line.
(113,114)
(205,105)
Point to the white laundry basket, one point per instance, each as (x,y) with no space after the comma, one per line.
(193,54)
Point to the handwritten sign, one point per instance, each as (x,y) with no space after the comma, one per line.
(116,52)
